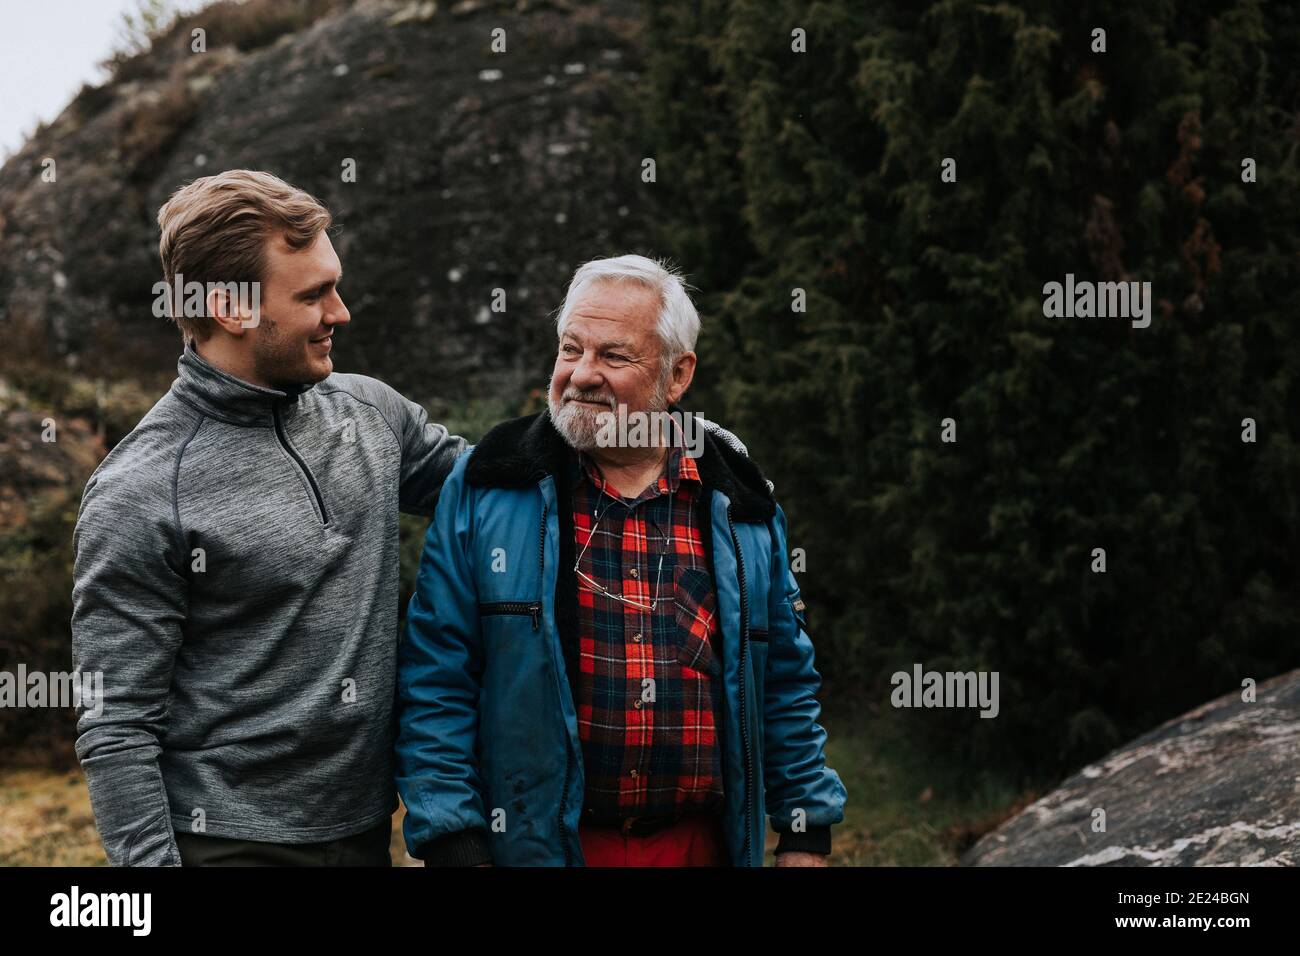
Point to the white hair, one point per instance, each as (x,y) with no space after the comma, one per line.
(679,323)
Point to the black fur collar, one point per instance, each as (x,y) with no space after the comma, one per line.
(522,451)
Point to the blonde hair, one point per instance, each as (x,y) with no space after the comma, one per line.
(215,230)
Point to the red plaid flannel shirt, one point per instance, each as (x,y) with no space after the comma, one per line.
(648,682)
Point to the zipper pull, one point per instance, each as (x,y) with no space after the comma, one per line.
(535,611)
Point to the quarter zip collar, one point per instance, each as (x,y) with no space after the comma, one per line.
(222,396)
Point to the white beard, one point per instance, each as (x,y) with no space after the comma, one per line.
(576,423)
(579,425)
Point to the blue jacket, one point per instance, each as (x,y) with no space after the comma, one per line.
(489,760)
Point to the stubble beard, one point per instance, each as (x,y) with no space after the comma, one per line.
(281,360)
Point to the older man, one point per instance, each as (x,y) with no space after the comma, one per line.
(606,659)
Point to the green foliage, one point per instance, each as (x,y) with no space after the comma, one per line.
(112,408)
(115,408)
(821,171)
(35,608)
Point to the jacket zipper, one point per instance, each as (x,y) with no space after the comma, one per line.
(532,609)
(744,658)
(564,799)
(568,749)
(284,443)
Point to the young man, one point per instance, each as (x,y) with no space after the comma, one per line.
(236,575)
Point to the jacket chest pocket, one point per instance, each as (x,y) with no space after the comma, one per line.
(529,609)
(695,604)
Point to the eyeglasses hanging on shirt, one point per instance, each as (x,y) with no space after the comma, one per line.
(599,588)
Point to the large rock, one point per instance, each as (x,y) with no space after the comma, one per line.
(1219,786)
(475,171)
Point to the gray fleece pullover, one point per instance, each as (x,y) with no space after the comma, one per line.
(236,582)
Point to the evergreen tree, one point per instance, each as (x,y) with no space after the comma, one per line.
(821,171)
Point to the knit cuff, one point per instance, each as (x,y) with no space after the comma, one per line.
(466,848)
(812,840)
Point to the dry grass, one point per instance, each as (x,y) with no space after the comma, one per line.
(45,820)
(258,23)
(902,811)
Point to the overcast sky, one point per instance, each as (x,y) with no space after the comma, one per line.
(48,48)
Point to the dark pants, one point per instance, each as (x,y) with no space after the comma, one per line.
(369,848)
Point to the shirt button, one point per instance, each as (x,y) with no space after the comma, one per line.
(634,773)
(637,703)
(635,573)
(637,638)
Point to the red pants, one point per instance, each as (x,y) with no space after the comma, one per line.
(695,840)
